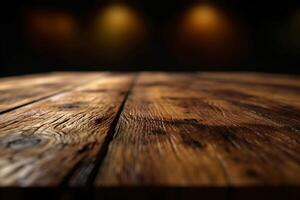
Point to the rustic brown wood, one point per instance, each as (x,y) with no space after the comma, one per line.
(18,91)
(179,129)
(46,142)
(207,129)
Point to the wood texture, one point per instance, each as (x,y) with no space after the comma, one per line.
(157,129)
(18,91)
(206,129)
(42,143)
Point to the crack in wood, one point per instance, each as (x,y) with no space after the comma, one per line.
(90,167)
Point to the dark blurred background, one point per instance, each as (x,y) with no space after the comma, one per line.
(127,35)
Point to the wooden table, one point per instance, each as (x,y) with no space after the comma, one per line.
(150,129)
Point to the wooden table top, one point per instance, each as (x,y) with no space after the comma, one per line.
(150,128)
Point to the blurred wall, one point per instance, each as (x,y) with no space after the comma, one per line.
(149,35)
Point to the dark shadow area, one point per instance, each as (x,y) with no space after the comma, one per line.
(217,35)
(149,193)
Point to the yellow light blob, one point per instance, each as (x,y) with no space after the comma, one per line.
(118,28)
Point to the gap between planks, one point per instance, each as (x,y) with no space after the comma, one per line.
(71,178)
(47,128)
(169,111)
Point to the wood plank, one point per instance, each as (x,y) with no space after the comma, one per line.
(274,80)
(18,91)
(183,129)
(279,103)
(47,142)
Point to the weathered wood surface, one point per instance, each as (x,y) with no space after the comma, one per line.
(193,130)
(22,90)
(187,129)
(42,143)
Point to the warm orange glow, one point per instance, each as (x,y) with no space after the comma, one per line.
(207,22)
(206,33)
(118,27)
(51,27)
(204,17)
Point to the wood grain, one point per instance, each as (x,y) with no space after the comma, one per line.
(161,129)
(18,91)
(45,143)
(207,129)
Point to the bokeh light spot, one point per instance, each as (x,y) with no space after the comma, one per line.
(203,17)
(208,35)
(118,29)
